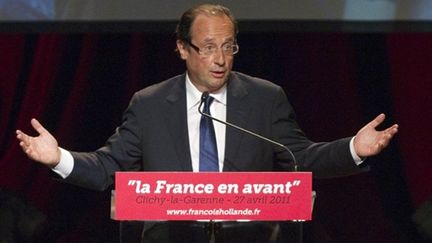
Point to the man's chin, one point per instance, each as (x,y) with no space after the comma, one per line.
(217,84)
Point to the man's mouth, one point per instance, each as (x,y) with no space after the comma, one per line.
(218,74)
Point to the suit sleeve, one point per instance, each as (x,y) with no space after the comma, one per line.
(324,159)
(95,170)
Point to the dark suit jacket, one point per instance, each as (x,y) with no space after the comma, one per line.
(154,136)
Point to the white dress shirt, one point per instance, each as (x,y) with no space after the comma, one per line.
(217,110)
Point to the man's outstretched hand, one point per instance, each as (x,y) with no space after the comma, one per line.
(369,141)
(42,148)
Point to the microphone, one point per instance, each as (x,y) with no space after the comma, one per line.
(204,97)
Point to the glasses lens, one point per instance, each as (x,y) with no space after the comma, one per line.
(235,49)
(210,50)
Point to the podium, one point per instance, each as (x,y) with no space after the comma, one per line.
(213,196)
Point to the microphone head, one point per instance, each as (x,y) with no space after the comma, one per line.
(204,96)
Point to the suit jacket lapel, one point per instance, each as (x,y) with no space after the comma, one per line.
(178,127)
(237,110)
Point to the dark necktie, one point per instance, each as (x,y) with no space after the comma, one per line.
(208,158)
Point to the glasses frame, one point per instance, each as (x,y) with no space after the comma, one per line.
(200,52)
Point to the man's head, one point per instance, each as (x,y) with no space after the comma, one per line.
(206,40)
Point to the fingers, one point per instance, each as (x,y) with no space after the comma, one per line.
(384,142)
(387,135)
(24,141)
(378,120)
(390,132)
(37,126)
(22,137)
(42,148)
(370,141)
(393,129)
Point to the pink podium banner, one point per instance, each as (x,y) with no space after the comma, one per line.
(264,196)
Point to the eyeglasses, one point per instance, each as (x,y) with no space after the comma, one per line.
(208,50)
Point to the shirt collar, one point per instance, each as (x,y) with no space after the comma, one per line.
(193,95)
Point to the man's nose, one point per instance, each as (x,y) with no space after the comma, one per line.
(219,57)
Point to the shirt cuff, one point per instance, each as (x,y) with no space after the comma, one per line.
(65,166)
(357,159)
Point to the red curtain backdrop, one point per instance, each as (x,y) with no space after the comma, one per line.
(410,57)
(78,85)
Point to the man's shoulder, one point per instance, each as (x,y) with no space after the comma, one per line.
(163,88)
(252,82)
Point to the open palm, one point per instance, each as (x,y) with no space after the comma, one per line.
(369,141)
(42,148)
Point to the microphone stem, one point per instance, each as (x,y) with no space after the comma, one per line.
(256,135)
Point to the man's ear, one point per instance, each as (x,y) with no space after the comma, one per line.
(182,49)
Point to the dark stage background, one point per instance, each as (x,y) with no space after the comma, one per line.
(78,85)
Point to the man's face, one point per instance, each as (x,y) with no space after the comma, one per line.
(208,72)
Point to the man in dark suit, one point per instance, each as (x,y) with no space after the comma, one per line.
(161,129)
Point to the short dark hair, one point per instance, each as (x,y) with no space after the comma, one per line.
(188,17)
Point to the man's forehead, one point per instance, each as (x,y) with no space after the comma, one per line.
(217,24)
